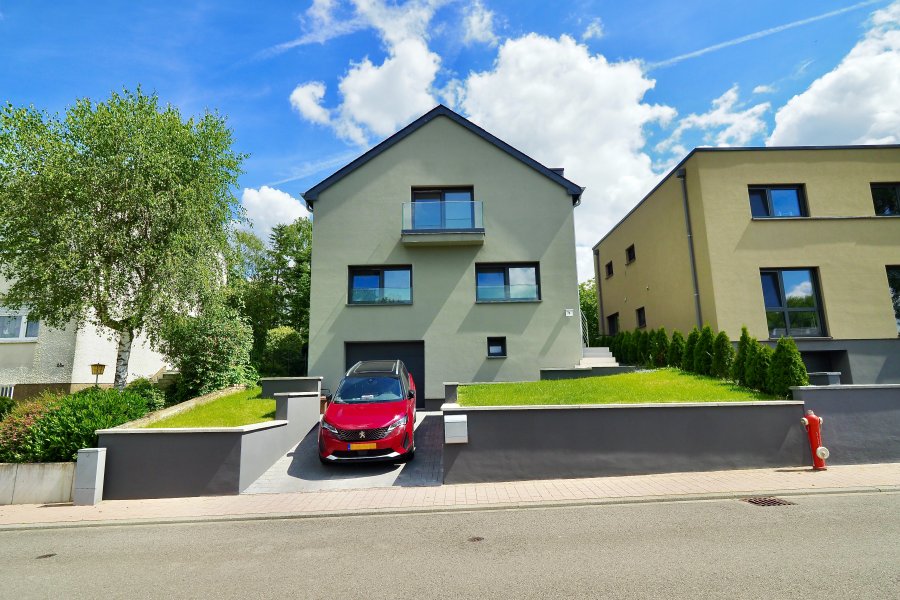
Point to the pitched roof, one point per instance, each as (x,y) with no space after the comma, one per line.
(574,190)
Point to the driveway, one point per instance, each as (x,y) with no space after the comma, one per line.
(300,470)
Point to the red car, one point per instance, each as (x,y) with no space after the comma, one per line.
(371,416)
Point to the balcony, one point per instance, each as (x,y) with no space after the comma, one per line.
(439,223)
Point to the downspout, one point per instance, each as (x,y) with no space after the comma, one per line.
(682,175)
(600,320)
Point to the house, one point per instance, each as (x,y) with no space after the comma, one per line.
(34,357)
(449,249)
(801,242)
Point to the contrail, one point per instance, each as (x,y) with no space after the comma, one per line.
(759,34)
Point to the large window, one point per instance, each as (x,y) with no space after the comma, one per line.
(507,283)
(443,209)
(886,197)
(893,275)
(380,285)
(768,201)
(793,305)
(17,326)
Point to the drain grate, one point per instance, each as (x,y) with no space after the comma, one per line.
(768,501)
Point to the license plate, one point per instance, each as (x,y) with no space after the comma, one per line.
(367,446)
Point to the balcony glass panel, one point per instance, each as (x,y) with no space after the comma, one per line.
(440,215)
(382,295)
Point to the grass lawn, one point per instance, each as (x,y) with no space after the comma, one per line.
(240,408)
(662,385)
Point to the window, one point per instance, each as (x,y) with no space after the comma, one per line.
(612,324)
(887,199)
(609,269)
(893,274)
(641,316)
(629,254)
(17,326)
(792,302)
(768,201)
(507,283)
(380,285)
(443,209)
(496,347)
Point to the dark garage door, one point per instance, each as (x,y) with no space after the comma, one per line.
(411,353)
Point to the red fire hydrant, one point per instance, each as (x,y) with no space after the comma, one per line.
(813,426)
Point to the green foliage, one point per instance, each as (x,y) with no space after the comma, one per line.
(285,353)
(643,347)
(749,360)
(232,410)
(6,406)
(661,348)
(115,214)
(628,351)
(587,298)
(676,349)
(740,359)
(722,356)
(687,357)
(758,377)
(16,439)
(787,369)
(212,350)
(703,352)
(149,391)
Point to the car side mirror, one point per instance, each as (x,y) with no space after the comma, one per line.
(327,394)
(411,394)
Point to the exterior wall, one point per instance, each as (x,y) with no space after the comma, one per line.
(527,218)
(94,345)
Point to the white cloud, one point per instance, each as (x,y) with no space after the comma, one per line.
(268,207)
(594,30)
(857,102)
(307,100)
(479,25)
(725,124)
(764,89)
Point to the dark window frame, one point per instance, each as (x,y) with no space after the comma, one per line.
(442,190)
(895,187)
(630,254)
(505,267)
(497,341)
(640,315)
(768,188)
(610,319)
(818,308)
(380,269)
(609,269)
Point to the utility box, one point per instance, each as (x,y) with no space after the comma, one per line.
(456,429)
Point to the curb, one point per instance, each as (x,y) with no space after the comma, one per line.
(538,504)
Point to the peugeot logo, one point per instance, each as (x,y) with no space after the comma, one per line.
(362,435)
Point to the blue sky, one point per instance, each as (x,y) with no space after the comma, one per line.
(588,85)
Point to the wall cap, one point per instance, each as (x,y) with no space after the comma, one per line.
(457,407)
(289,378)
(848,386)
(239,429)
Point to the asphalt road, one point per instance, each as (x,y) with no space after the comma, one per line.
(826,546)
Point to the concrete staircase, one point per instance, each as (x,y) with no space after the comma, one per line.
(165,378)
(597,357)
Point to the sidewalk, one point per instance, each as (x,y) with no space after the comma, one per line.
(638,488)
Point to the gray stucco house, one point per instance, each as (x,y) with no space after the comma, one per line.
(449,249)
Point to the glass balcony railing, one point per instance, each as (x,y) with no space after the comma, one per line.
(507,293)
(381,295)
(437,216)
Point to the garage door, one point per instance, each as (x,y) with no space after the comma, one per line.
(411,353)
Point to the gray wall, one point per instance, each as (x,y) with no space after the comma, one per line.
(553,374)
(288,385)
(861,423)
(508,444)
(859,361)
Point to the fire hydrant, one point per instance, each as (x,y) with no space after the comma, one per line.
(813,426)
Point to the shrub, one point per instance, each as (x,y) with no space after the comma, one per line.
(212,350)
(703,352)
(740,359)
(284,354)
(787,369)
(149,391)
(759,370)
(661,351)
(643,347)
(687,358)
(676,350)
(628,348)
(6,406)
(749,361)
(16,430)
(722,356)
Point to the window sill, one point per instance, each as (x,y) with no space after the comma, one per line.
(828,218)
(378,304)
(18,341)
(508,301)
(808,338)
(489,356)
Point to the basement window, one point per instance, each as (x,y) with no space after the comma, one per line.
(496,347)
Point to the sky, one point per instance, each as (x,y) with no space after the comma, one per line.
(615,92)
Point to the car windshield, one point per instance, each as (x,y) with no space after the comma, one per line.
(369,389)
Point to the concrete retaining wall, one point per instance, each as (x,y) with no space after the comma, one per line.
(36,483)
(549,442)
(861,422)
(288,385)
(169,462)
(582,372)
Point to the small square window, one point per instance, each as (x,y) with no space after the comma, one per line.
(496,347)
(886,197)
(609,269)
(641,317)
(768,201)
(630,254)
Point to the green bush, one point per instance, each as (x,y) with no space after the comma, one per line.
(284,354)
(628,350)
(687,357)
(787,369)
(740,359)
(758,377)
(149,391)
(676,350)
(703,352)
(16,439)
(749,361)
(6,406)
(661,351)
(211,351)
(643,347)
(722,356)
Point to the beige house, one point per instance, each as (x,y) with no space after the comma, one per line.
(34,357)
(447,248)
(787,241)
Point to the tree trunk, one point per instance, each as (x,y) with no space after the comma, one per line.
(122,357)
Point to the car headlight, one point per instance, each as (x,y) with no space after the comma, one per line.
(398,423)
(329,427)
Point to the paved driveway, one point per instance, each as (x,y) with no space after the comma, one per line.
(300,470)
